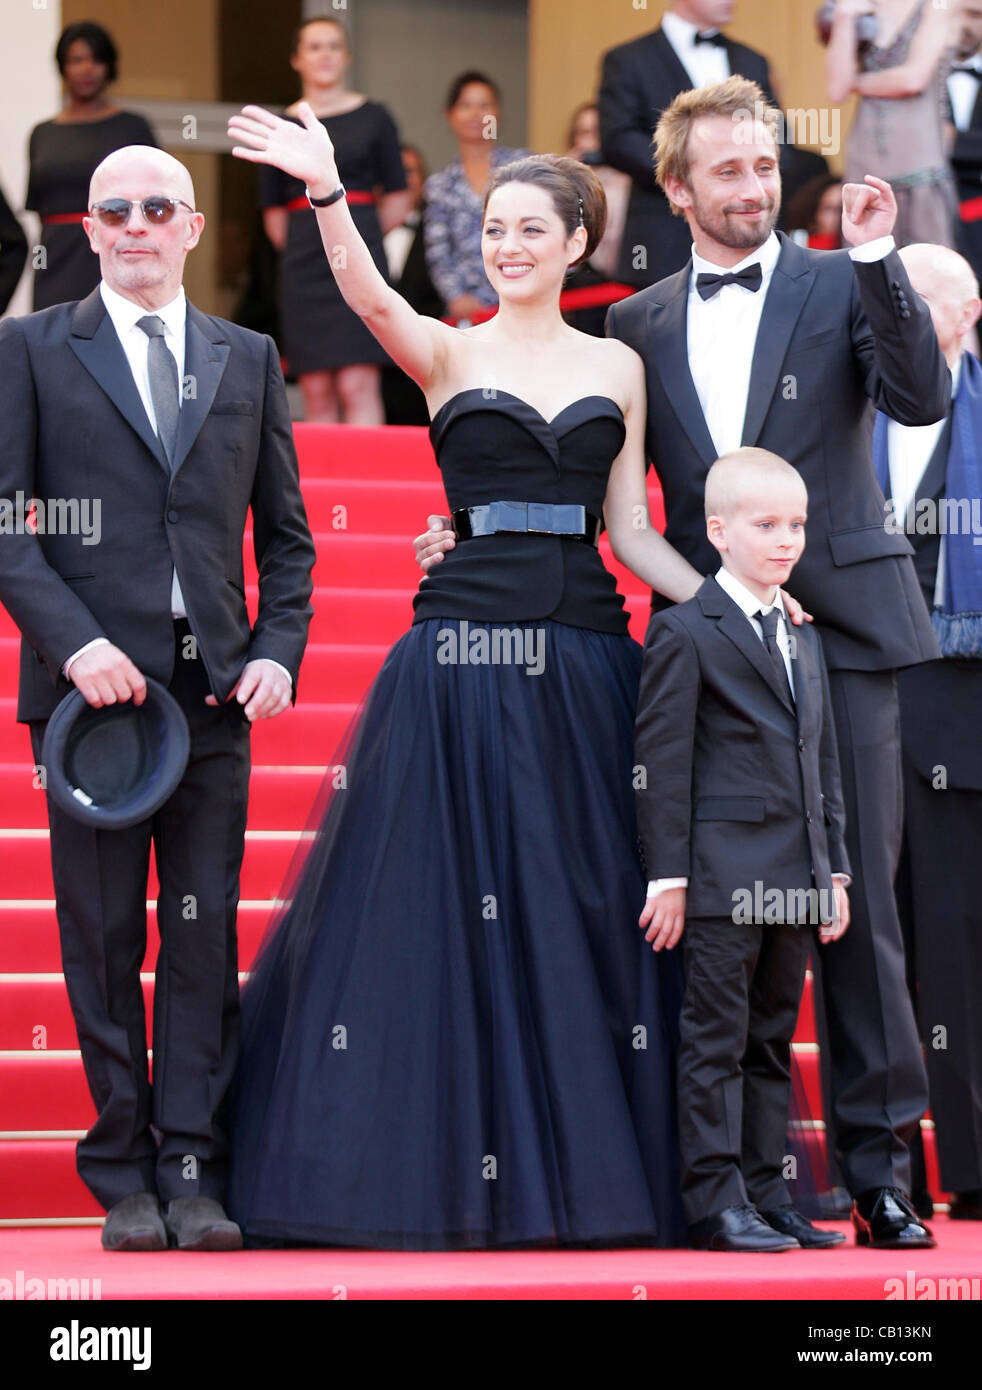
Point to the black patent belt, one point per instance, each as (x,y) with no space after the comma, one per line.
(534,518)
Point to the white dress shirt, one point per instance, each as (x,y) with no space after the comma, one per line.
(750,605)
(722,336)
(963,91)
(909,450)
(125,316)
(705,63)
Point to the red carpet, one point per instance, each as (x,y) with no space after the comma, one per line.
(368,493)
(845,1273)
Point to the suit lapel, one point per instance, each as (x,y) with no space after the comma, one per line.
(205,358)
(668,335)
(790,286)
(94,342)
(670,59)
(734,624)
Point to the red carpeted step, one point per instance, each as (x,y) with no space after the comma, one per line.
(280,798)
(397,452)
(29,936)
(25,864)
(305,732)
(44,1090)
(38,1178)
(35,1015)
(368,506)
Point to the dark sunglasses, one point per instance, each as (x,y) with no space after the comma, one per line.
(115,212)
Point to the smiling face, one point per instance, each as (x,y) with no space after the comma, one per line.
(322,57)
(761,535)
(85,77)
(524,243)
(143,262)
(732,193)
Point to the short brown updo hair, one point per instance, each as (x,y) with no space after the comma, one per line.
(568,182)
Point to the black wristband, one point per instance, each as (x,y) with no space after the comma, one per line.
(325,202)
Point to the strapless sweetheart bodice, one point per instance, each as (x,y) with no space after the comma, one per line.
(493,446)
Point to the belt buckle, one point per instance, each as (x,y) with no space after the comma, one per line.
(540,516)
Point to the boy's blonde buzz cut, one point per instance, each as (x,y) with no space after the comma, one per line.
(737,98)
(742,475)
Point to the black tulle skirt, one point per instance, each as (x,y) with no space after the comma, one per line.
(455,1035)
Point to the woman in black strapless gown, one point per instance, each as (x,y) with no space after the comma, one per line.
(455,1036)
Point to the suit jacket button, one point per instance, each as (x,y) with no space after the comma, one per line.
(895,284)
(801,744)
(905,313)
(808,817)
(173,514)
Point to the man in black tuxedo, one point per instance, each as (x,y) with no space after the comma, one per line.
(965,98)
(761,342)
(741,822)
(921,472)
(639,80)
(177,425)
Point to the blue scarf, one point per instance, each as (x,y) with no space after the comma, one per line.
(958,622)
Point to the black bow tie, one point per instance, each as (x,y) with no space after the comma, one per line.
(750,278)
(714,37)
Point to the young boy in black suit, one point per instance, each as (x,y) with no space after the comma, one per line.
(741,823)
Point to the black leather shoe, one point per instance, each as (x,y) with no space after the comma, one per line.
(966,1206)
(134,1223)
(200,1223)
(791,1223)
(922,1202)
(884,1219)
(738,1228)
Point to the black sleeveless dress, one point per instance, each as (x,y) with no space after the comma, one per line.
(455,1035)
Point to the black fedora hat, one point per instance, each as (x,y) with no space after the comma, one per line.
(115,766)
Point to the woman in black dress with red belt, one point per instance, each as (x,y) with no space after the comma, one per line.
(63,154)
(328,348)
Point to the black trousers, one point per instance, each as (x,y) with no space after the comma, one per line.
(743,987)
(875,1067)
(941,913)
(167,1138)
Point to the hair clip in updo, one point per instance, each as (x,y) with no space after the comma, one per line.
(580,223)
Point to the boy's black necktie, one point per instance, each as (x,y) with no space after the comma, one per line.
(769,624)
(164,392)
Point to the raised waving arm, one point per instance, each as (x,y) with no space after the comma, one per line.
(418,344)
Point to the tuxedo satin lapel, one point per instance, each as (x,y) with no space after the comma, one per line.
(668,338)
(204,365)
(737,628)
(790,286)
(94,342)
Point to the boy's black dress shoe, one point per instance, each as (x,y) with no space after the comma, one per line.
(134,1223)
(884,1219)
(966,1206)
(738,1228)
(791,1223)
(200,1223)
